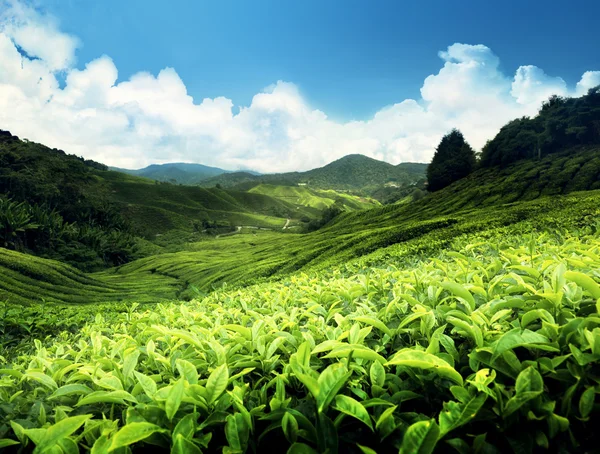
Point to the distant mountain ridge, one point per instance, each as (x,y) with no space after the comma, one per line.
(175,172)
(353,172)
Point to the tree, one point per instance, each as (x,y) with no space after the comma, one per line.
(454,159)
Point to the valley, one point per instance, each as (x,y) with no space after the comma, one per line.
(457,311)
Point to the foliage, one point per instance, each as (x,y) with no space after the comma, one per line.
(489,345)
(52,205)
(305,197)
(352,172)
(453,159)
(572,170)
(328,215)
(561,123)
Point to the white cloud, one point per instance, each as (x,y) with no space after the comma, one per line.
(590,79)
(37,34)
(150,118)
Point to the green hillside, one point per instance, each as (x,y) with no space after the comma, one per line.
(390,231)
(25,279)
(350,173)
(312,198)
(466,320)
(176,172)
(158,208)
(478,335)
(63,207)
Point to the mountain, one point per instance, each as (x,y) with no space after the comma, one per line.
(175,172)
(319,199)
(351,173)
(66,208)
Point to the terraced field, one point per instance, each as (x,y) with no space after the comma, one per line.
(313,198)
(157,208)
(248,257)
(25,279)
(486,342)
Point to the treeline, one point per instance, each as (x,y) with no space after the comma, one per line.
(562,124)
(54,205)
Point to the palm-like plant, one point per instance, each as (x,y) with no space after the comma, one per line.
(15,220)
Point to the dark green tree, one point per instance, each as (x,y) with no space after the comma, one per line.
(454,159)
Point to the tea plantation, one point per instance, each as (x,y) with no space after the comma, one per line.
(475,336)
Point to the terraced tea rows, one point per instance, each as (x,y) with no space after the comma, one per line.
(26,279)
(488,346)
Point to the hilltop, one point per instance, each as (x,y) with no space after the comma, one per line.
(355,173)
(175,172)
(530,193)
(64,207)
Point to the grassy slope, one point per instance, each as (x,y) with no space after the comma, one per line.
(25,279)
(467,306)
(352,172)
(311,198)
(243,259)
(424,225)
(156,208)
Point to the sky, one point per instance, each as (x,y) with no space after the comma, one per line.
(281,85)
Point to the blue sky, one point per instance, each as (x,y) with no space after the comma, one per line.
(348,57)
(281,85)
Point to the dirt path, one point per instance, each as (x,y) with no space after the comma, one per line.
(239,229)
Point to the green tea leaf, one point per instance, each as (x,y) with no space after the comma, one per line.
(584,281)
(41,378)
(67,390)
(374,322)
(377,374)
(181,445)
(129,362)
(301,448)
(520,338)
(420,438)
(353,408)
(111,397)
(414,358)
(586,402)
(237,432)
(187,370)
(147,384)
(460,291)
(529,385)
(457,414)
(385,415)
(186,426)
(217,383)
(6,442)
(62,429)
(330,381)
(132,433)
(290,427)
(174,399)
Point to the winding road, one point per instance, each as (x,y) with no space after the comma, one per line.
(239,229)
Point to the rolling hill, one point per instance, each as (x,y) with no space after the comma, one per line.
(351,173)
(314,198)
(175,172)
(530,194)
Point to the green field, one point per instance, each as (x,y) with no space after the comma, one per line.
(413,347)
(467,321)
(303,196)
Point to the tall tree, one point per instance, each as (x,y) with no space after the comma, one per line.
(454,159)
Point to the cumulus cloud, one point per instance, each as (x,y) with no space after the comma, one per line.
(152,118)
